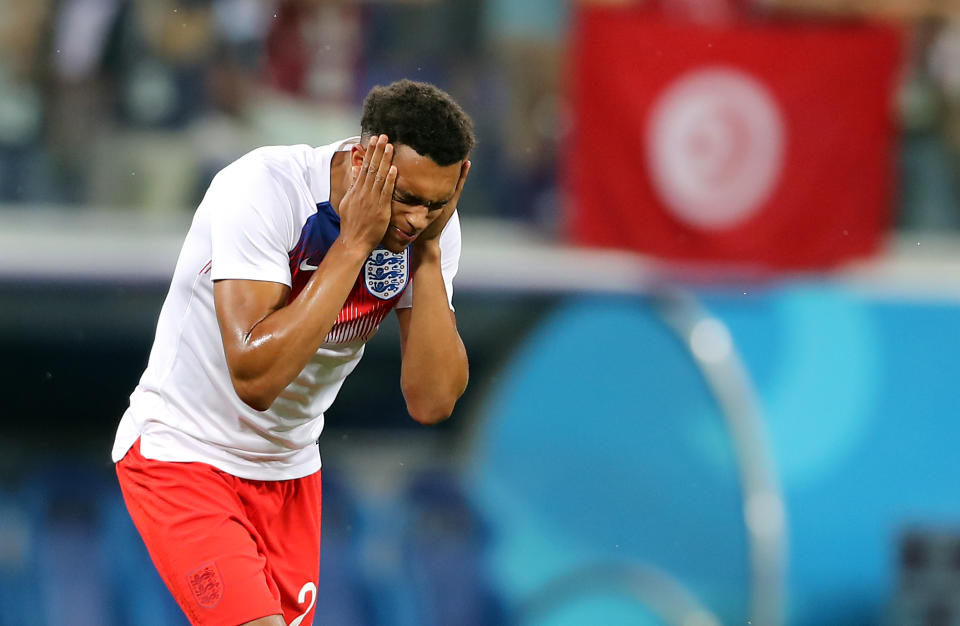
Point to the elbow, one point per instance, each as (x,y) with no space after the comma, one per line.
(257,403)
(431,409)
(431,404)
(428,416)
(253,395)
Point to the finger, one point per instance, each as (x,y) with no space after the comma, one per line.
(386,194)
(374,164)
(386,162)
(464,170)
(463,176)
(367,155)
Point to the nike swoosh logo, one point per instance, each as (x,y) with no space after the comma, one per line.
(306,266)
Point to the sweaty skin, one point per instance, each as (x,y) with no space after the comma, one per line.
(433,370)
(381,195)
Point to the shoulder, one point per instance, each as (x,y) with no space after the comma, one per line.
(450,237)
(270,173)
(274,163)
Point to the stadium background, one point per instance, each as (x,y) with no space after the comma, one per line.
(682,423)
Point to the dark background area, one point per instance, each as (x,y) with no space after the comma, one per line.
(72,353)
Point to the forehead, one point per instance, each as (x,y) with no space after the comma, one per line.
(421,176)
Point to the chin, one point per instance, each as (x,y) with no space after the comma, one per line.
(393,246)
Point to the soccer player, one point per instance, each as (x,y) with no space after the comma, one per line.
(294,257)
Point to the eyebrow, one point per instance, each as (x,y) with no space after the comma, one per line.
(409,198)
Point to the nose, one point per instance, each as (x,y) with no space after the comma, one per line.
(417,218)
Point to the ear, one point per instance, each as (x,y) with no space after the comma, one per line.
(357,152)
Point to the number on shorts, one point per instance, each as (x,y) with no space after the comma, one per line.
(302,598)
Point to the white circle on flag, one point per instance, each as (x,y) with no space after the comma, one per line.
(715,143)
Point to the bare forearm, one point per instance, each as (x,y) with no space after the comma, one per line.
(276,349)
(434,372)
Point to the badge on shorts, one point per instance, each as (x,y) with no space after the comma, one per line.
(385,273)
(206,585)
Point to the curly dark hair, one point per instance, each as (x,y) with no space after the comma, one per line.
(421,116)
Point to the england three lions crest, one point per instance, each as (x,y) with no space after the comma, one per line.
(386,273)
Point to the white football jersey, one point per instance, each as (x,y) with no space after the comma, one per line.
(266,216)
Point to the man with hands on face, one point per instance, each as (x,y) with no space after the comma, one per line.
(294,258)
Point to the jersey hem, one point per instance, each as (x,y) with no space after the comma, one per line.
(128,433)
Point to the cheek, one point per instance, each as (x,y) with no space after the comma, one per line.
(396,210)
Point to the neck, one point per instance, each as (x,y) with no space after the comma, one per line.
(339,178)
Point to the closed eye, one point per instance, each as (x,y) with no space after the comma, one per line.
(417,201)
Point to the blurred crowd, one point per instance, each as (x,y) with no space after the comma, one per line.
(137,103)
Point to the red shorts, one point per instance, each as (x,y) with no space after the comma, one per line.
(231,550)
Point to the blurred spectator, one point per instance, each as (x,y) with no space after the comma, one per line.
(944,67)
(163,52)
(526,43)
(171,45)
(196,84)
(22,28)
(80,92)
(313,49)
(929,194)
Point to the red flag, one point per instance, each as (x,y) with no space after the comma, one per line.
(762,143)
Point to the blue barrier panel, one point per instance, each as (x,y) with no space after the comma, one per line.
(603,444)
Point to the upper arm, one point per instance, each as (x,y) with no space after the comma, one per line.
(251,225)
(240,306)
(250,235)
